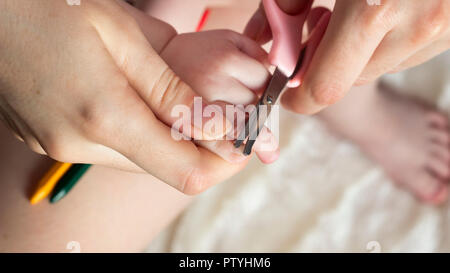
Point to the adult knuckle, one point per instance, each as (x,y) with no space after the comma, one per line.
(426,31)
(378,17)
(95,121)
(100,117)
(433,25)
(439,26)
(327,93)
(439,18)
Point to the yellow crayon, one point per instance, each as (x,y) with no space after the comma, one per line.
(49,181)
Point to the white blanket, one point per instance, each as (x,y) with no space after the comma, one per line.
(323,195)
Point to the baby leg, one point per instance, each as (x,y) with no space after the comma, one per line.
(409,139)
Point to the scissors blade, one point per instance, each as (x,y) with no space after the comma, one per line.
(276,86)
(256,121)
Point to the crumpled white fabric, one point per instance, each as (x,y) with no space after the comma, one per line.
(323,195)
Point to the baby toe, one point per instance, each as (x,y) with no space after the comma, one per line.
(439,167)
(429,188)
(440,151)
(437,120)
(441,197)
(440,136)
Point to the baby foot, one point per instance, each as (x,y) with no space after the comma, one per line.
(409,139)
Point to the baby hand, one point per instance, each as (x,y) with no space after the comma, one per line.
(223,66)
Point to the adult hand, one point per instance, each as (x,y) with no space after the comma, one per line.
(362,42)
(83,84)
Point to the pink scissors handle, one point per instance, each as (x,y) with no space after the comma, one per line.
(287,32)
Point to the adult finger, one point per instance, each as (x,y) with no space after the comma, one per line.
(258,28)
(423,55)
(354,32)
(159,150)
(150,76)
(312,44)
(315,15)
(266,146)
(407,45)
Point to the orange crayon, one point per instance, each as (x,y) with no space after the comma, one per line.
(49,181)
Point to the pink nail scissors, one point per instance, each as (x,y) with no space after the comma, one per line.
(287,54)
